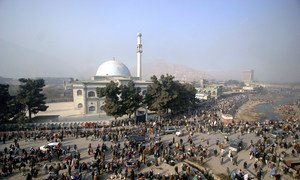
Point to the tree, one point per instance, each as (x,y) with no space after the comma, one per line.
(5,99)
(152,94)
(30,95)
(17,109)
(180,103)
(113,104)
(166,95)
(234,83)
(190,96)
(160,94)
(131,98)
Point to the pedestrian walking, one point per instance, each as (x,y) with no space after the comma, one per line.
(235,159)
(245,165)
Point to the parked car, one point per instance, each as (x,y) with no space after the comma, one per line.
(69,156)
(236,145)
(279,133)
(179,133)
(136,138)
(169,130)
(53,145)
(131,164)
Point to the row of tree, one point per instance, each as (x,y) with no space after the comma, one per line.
(164,96)
(29,100)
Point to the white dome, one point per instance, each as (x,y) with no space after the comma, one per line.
(113,68)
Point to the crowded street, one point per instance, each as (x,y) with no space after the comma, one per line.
(157,149)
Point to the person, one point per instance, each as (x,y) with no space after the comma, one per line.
(46,168)
(259,174)
(132,175)
(273,171)
(10,169)
(215,152)
(222,159)
(255,166)
(235,159)
(126,173)
(4,138)
(29,176)
(176,169)
(69,168)
(75,147)
(230,155)
(95,176)
(239,174)
(245,165)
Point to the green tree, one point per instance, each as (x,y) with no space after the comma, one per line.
(131,98)
(31,97)
(113,104)
(160,94)
(5,99)
(234,82)
(152,94)
(190,96)
(168,96)
(17,109)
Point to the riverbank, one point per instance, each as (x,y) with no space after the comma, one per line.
(246,111)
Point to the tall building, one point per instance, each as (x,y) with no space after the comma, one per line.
(84,92)
(247,76)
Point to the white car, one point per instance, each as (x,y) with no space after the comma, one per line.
(179,133)
(169,130)
(55,145)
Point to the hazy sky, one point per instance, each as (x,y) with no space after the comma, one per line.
(72,38)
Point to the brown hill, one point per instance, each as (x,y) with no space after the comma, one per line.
(181,72)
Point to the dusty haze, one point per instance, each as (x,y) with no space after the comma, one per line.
(219,38)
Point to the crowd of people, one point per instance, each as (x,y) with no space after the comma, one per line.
(290,111)
(230,104)
(119,156)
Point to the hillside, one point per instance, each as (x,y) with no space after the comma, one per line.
(181,72)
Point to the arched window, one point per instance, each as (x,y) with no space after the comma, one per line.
(92,108)
(79,92)
(91,94)
(79,105)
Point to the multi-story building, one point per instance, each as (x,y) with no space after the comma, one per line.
(247,76)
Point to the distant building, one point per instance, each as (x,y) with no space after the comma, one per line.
(252,87)
(247,76)
(213,91)
(202,96)
(248,88)
(203,83)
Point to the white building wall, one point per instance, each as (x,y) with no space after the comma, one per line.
(78,98)
(93,104)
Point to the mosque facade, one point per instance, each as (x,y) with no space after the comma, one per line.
(84,92)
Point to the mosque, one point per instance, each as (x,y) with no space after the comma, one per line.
(84,92)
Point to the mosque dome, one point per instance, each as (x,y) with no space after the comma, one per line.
(113,68)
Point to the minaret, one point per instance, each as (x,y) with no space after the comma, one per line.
(139,50)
